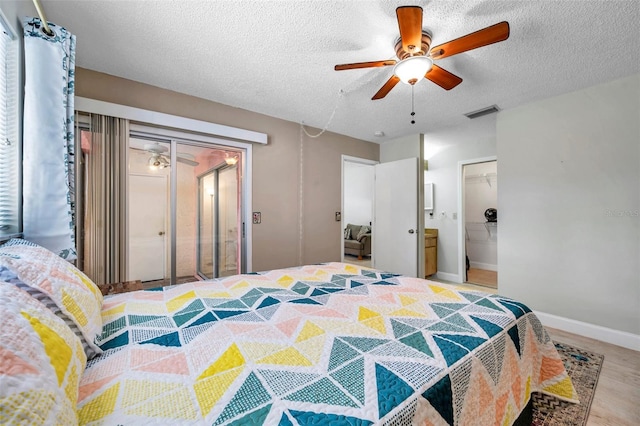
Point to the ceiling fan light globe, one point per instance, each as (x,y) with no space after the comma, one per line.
(413,69)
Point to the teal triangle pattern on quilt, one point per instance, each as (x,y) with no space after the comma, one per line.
(385,276)
(418,342)
(182,319)
(116,342)
(440,396)
(515,338)
(341,353)
(206,318)
(171,339)
(351,377)
(285,421)
(251,297)
(364,344)
(233,304)
(226,314)
(383,283)
(281,381)
(306,301)
(459,321)
(490,328)
(257,417)
(355,284)
(517,308)
(445,326)
(470,296)
(143,319)
(446,309)
(452,352)
(250,395)
(392,390)
(269,311)
(322,392)
(488,304)
(113,327)
(300,288)
(401,329)
(469,342)
(307,418)
(268,301)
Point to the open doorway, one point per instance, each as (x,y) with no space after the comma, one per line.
(479,221)
(357,210)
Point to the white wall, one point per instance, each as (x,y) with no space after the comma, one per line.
(443,150)
(568,203)
(358,193)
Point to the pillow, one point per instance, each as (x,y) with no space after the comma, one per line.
(41,362)
(347,233)
(77,297)
(364,230)
(9,277)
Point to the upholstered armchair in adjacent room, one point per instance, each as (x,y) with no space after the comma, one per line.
(357,240)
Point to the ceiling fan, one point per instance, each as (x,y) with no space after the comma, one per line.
(160,161)
(416,56)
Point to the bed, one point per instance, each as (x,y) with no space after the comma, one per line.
(328,344)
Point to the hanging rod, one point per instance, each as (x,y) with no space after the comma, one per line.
(43,18)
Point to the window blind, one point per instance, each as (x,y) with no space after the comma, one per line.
(9,144)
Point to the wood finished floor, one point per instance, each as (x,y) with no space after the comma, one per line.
(483,277)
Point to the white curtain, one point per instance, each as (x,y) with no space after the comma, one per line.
(48,141)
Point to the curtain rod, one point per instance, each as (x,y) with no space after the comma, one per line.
(43,18)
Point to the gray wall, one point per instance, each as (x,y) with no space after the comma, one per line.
(569,200)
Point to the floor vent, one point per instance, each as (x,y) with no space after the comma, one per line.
(483,111)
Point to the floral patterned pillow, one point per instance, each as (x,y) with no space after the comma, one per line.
(41,362)
(71,290)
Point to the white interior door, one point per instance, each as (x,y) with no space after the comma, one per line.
(147,227)
(395,221)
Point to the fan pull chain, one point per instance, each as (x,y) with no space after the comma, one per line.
(413,112)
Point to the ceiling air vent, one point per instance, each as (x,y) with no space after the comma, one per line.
(483,111)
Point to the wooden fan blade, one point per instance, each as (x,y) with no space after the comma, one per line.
(372,64)
(442,77)
(410,24)
(390,84)
(483,37)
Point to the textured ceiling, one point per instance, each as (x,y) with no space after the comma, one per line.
(277,57)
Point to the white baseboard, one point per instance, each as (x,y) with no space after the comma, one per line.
(445,276)
(609,335)
(485,266)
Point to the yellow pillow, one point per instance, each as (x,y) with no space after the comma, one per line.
(41,362)
(71,290)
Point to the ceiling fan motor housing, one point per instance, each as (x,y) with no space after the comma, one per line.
(424,48)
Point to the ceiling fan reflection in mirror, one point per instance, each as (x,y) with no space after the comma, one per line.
(160,161)
(416,56)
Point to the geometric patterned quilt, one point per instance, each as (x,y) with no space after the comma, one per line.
(330,344)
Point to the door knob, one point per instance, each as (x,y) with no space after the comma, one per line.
(161,233)
(411,231)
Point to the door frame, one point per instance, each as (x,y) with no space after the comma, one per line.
(358,160)
(461,217)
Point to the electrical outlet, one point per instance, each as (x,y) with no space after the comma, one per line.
(257,218)
(454,216)
(338,216)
